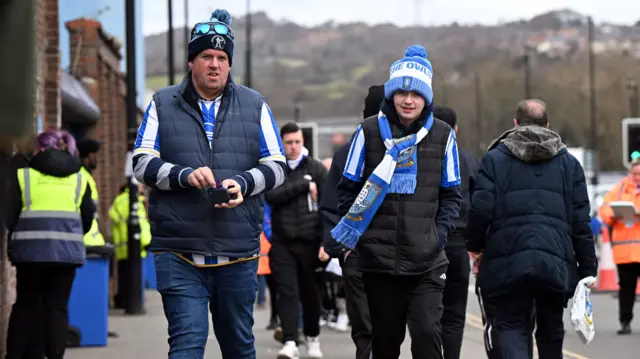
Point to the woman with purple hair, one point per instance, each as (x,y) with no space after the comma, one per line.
(49,210)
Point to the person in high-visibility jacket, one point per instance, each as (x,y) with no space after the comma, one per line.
(264,269)
(119,215)
(88,151)
(625,241)
(49,209)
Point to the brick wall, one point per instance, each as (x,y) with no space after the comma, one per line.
(51,65)
(47,55)
(97,58)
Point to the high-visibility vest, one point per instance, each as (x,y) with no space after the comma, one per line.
(49,228)
(119,214)
(93,237)
(264,267)
(625,237)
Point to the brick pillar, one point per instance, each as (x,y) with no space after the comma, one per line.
(51,75)
(7,271)
(95,57)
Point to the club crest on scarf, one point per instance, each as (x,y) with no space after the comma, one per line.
(405,158)
(367,196)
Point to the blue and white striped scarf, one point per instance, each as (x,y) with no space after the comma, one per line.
(395,174)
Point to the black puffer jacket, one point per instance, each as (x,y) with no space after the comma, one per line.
(291,220)
(408,232)
(530,215)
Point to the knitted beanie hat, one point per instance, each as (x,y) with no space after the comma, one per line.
(413,72)
(211,38)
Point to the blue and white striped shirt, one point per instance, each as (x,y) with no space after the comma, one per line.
(354,168)
(151,170)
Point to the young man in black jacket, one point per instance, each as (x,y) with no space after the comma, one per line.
(356,298)
(457,287)
(529,226)
(295,243)
(399,197)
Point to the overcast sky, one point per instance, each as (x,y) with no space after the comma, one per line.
(400,12)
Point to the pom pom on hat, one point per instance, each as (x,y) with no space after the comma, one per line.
(222,16)
(416,51)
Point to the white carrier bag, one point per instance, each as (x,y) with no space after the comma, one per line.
(582,311)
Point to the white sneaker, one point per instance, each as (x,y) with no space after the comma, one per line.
(289,351)
(322,322)
(313,348)
(342,323)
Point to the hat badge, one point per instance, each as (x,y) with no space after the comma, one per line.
(218,42)
(406,82)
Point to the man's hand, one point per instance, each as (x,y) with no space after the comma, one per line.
(322,255)
(476,258)
(233,188)
(313,190)
(202,178)
(346,254)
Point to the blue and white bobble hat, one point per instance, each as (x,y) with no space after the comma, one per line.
(413,72)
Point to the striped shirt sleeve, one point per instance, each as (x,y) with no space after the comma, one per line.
(148,166)
(451,164)
(271,169)
(354,166)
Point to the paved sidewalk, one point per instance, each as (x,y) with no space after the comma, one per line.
(142,337)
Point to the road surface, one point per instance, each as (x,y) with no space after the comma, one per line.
(605,345)
(145,336)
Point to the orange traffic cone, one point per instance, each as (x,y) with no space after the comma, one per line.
(607,274)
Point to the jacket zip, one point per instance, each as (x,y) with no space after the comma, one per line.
(399,224)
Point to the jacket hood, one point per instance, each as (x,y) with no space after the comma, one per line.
(55,163)
(531,143)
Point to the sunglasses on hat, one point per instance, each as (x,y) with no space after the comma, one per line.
(207,28)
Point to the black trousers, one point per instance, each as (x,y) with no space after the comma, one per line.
(293,268)
(357,307)
(120,299)
(510,320)
(39,318)
(627,280)
(456,292)
(273,297)
(395,301)
(490,337)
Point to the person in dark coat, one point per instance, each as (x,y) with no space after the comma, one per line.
(456,289)
(356,298)
(399,197)
(529,229)
(296,240)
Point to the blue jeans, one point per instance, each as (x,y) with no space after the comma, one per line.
(188,292)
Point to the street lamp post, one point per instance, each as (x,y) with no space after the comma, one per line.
(478,99)
(527,71)
(247,74)
(134,302)
(187,36)
(297,107)
(634,100)
(170,67)
(592,105)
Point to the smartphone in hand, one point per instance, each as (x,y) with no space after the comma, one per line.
(218,195)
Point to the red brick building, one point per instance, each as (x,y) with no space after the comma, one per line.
(97,58)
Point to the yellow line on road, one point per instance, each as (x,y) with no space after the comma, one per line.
(476,322)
